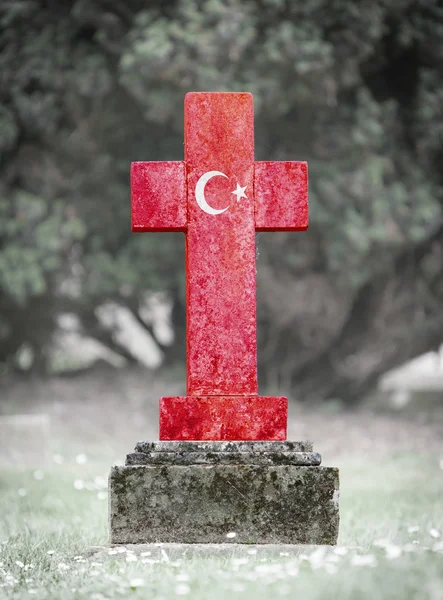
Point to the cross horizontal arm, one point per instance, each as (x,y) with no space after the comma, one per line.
(158,196)
(281,196)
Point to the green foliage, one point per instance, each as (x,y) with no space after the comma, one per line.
(354,88)
(35,238)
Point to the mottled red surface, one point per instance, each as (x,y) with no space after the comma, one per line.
(223,418)
(281,196)
(158,196)
(196,196)
(220,249)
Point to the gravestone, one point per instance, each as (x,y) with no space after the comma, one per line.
(24,440)
(223,470)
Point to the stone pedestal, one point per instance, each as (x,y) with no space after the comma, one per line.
(204,492)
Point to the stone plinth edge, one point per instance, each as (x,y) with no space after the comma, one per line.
(224,446)
(306,459)
(210,453)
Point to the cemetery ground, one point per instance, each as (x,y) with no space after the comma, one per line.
(53,514)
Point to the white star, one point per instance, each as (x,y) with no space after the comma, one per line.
(240,192)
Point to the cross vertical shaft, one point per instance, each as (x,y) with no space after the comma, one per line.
(220,249)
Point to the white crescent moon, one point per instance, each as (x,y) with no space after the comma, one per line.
(200,193)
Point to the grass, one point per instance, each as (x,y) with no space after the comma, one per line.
(391,509)
(391,471)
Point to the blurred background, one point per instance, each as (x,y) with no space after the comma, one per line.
(90,311)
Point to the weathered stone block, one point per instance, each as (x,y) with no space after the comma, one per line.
(202,503)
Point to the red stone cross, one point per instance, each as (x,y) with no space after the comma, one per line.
(219,197)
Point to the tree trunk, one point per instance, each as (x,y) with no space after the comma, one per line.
(394,317)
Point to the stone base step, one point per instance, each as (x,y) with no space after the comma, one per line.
(224,503)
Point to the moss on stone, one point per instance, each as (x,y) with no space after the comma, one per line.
(200,503)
